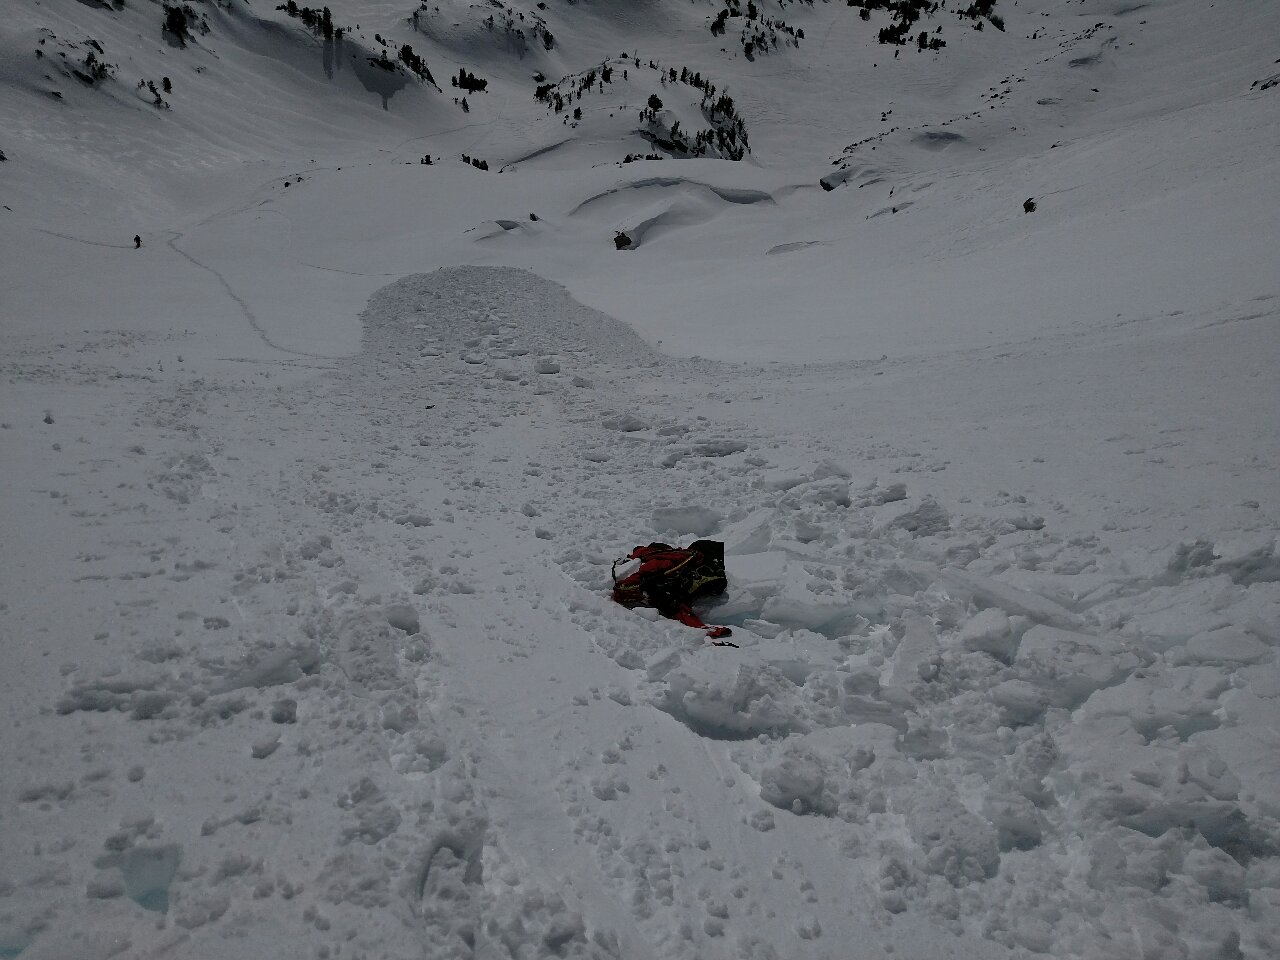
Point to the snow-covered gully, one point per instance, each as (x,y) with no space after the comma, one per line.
(952,729)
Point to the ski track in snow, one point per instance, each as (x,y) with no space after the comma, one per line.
(944,734)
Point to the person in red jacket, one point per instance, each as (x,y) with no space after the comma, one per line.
(670,578)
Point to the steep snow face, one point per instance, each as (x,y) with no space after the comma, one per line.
(313,496)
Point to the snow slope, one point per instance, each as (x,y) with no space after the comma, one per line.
(310,502)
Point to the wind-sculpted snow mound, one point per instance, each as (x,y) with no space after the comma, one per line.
(654,186)
(656,205)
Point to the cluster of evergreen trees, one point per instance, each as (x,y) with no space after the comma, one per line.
(415,63)
(179,21)
(759,33)
(469,81)
(89,70)
(536,27)
(728,131)
(583,83)
(156,99)
(95,70)
(319,21)
(904,14)
(175,23)
(726,135)
(982,8)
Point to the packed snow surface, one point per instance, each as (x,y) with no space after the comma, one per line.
(311,500)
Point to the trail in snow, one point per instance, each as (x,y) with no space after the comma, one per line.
(240,303)
(946,733)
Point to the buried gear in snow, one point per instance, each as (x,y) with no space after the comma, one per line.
(670,578)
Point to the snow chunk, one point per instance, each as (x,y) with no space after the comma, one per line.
(758,700)
(1220,875)
(1182,699)
(779,481)
(413,520)
(148,872)
(403,616)
(957,844)
(1249,560)
(197,912)
(796,782)
(1109,773)
(1245,560)
(624,423)
(987,592)
(786,592)
(1019,825)
(989,632)
(1070,666)
(104,886)
(1126,858)
(692,521)
(269,667)
(1021,701)
(366,651)
(893,493)
(1174,613)
(929,519)
(375,817)
(917,655)
(608,787)
(1225,646)
(808,928)
(719,448)
(284,710)
(124,693)
(264,747)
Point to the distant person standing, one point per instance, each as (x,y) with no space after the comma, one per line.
(137,241)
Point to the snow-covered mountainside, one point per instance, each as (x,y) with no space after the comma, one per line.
(958,324)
